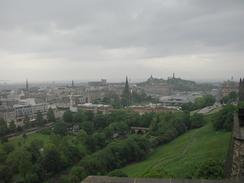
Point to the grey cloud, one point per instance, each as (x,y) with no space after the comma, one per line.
(79,30)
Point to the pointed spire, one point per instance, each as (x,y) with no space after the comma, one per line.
(126,81)
(127,87)
(241,90)
(26,85)
(126,93)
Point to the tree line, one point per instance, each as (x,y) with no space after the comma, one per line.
(199,103)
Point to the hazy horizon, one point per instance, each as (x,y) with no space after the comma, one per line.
(122,80)
(64,40)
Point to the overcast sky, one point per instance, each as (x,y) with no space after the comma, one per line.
(93,39)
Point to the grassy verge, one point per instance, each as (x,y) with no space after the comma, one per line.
(180,158)
(19,140)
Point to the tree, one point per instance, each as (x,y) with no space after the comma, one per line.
(71,153)
(96,141)
(52,162)
(167,126)
(19,161)
(204,101)
(100,121)
(82,136)
(200,102)
(188,107)
(39,119)
(3,127)
(197,120)
(25,165)
(24,136)
(89,115)
(88,126)
(116,155)
(78,173)
(79,116)
(8,148)
(50,115)
(224,118)
(5,173)
(12,126)
(232,97)
(34,148)
(60,128)
(68,116)
(211,169)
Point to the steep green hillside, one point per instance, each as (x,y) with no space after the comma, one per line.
(180,158)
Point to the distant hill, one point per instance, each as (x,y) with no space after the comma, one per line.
(177,84)
(181,157)
(181,84)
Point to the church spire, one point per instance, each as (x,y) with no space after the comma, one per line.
(126,82)
(126,96)
(26,85)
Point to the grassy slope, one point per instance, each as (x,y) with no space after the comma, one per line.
(180,157)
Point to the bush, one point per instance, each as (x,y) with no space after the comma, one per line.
(232,97)
(241,105)
(224,118)
(211,169)
(116,155)
(197,120)
(78,173)
(46,131)
(167,126)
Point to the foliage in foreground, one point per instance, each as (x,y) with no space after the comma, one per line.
(211,169)
(224,118)
(93,150)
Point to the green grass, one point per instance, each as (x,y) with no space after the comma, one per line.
(19,140)
(181,157)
